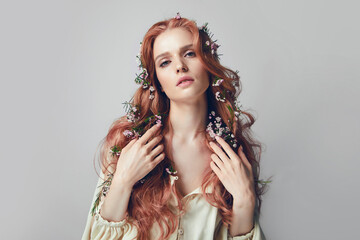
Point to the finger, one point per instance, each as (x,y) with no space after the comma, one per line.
(156,151)
(150,132)
(153,142)
(216,170)
(244,159)
(129,144)
(217,160)
(229,151)
(157,160)
(220,153)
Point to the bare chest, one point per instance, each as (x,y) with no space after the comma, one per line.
(191,161)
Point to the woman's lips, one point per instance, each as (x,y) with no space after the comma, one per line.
(183,78)
(185,83)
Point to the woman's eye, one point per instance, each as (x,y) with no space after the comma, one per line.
(162,64)
(165,63)
(191,53)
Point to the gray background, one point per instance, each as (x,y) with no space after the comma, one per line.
(67,67)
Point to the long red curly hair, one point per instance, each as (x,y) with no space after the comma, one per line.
(149,201)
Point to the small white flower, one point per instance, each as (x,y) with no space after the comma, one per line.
(218,97)
(213,113)
(151,96)
(217,82)
(152,88)
(218,119)
(234,145)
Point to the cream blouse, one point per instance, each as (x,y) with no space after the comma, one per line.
(201,221)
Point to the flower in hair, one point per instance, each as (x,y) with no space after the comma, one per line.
(205,28)
(132,112)
(151,120)
(141,78)
(218,128)
(219,96)
(115,150)
(217,81)
(214,47)
(211,45)
(158,121)
(152,89)
(177,16)
(237,110)
(172,171)
(128,133)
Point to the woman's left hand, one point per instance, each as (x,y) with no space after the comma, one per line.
(235,173)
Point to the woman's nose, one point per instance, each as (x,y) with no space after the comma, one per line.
(181,66)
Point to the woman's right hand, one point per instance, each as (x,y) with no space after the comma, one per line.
(138,157)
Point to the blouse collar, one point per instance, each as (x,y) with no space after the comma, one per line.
(208,189)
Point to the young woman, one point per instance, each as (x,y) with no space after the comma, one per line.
(181,164)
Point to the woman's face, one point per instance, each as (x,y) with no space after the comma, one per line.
(175,57)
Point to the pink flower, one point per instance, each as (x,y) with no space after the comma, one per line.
(146,73)
(177,16)
(128,133)
(214,46)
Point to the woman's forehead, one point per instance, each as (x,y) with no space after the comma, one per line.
(172,40)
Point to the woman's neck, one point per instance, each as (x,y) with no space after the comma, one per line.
(188,119)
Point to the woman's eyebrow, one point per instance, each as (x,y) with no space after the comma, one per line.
(181,49)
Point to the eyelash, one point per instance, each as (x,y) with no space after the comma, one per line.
(161,65)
